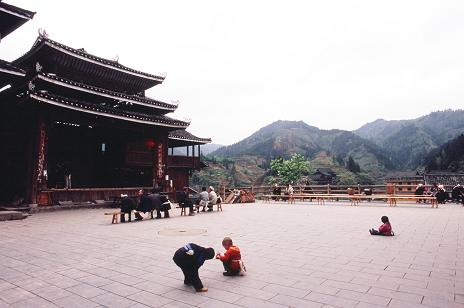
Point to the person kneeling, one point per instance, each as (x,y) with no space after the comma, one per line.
(385,229)
(232,258)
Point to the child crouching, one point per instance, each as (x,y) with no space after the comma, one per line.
(232,259)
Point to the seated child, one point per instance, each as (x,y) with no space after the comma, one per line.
(231,258)
(385,229)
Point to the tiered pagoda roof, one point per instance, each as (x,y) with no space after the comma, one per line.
(105,111)
(10,74)
(77,64)
(12,17)
(179,138)
(47,80)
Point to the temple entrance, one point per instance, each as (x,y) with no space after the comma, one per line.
(96,158)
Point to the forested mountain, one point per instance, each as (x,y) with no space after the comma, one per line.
(449,157)
(378,148)
(407,142)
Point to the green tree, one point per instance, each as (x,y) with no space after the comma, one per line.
(291,170)
(352,165)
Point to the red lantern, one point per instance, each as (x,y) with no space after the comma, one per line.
(150,144)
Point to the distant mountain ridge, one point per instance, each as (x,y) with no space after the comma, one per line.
(284,138)
(407,142)
(378,147)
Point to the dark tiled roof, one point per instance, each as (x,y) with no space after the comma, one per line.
(184,135)
(140,100)
(42,40)
(444,177)
(7,67)
(16,10)
(106,111)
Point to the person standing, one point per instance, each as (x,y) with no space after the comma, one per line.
(190,258)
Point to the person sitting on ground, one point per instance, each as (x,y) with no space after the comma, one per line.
(204,199)
(184,200)
(231,258)
(212,198)
(385,229)
(190,258)
(276,191)
(128,204)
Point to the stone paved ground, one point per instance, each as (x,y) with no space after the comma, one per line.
(300,255)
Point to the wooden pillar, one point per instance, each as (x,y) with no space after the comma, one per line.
(160,162)
(38,164)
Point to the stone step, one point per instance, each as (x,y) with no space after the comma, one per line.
(12,215)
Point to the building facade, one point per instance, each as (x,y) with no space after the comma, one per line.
(79,127)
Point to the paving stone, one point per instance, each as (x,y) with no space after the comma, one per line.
(75,301)
(150,299)
(35,302)
(120,289)
(15,295)
(52,293)
(113,301)
(251,302)
(403,296)
(290,291)
(86,290)
(295,302)
(363,297)
(331,300)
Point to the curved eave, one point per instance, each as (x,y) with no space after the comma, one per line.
(184,138)
(191,141)
(16,11)
(43,41)
(107,112)
(106,93)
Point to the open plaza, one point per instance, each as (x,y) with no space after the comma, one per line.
(297,255)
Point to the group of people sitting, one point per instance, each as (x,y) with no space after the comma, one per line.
(145,203)
(439,191)
(207,199)
(277,191)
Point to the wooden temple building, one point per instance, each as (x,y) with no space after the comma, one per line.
(78,127)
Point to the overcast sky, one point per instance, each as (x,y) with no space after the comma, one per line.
(237,66)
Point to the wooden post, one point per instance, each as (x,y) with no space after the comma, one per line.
(328,189)
(359,189)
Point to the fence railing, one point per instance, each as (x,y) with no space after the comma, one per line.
(392,189)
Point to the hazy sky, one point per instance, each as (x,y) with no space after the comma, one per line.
(237,66)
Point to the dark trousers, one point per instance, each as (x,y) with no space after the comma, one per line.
(191,276)
(166,214)
(228,269)
(123,217)
(375,232)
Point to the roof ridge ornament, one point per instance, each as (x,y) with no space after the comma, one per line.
(43,33)
(38,67)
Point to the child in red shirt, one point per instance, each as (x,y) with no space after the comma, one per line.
(385,229)
(231,258)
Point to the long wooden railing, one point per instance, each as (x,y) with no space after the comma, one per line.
(392,189)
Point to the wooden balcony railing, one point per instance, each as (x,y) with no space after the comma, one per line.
(184,162)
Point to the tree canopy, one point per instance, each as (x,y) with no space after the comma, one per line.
(291,170)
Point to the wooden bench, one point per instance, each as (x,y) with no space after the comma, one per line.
(118,214)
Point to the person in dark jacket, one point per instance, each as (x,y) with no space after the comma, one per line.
(128,205)
(190,258)
(160,203)
(145,205)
